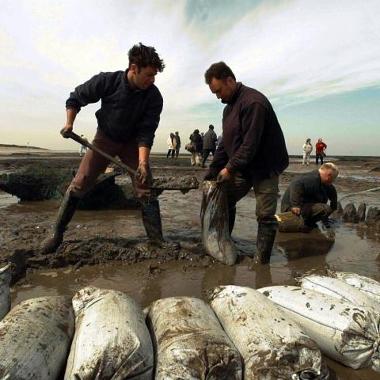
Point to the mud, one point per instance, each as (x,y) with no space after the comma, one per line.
(108,248)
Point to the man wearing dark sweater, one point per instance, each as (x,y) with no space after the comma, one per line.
(308,194)
(127,120)
(252,152)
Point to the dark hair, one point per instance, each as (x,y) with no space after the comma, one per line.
(144,56)
(196,130)
(218,70)
(211,126)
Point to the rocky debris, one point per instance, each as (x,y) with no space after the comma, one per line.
(349,213)
(183,183)
(35,183)
(361,212)
(373,216)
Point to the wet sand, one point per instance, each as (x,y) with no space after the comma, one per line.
(150,274)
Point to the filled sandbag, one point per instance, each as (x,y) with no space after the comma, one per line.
(216,236)
(5,294)
(111,338)
(347,333)
(272,346)
(339,289)
(365,284)
(35,339)
(190,342)
(289,222)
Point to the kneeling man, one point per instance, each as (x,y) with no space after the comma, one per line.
(307,195)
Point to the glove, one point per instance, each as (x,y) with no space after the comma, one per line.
(143,174)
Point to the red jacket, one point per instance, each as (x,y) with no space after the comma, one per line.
(320,147)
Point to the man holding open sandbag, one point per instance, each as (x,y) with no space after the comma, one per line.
(127,120)
(307,197)
(252,152)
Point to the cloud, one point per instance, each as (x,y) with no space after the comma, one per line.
(294,51)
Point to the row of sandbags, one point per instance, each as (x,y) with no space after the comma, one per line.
(241,334)
(351,214)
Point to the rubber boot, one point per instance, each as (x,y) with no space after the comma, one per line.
(231,219)
(65,214)
(266,234)
(152,220)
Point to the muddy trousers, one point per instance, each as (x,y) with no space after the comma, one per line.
(92,165)
(315,212)
(266,192)
(150,211)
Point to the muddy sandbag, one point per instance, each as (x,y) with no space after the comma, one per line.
(272,346)
(111,339)
(345,332)
(365,284)
(289,222)
(5,293)
(190,342)
(35,339)
(349,213)
(339,289)
(216,236)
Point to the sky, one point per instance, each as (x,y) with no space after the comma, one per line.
(318,62)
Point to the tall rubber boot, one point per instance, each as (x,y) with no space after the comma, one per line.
(152,220)
(231,219)
(65,214)
(266,234)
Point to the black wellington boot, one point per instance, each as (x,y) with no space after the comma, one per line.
(65,214)
(152,220)
(266,234)
(231,219)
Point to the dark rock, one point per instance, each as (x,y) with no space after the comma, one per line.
(373,215)
(349,214)
(35,183)
(361,212)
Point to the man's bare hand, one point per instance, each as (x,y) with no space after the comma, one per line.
(66,130)
(224,176)
(143,174)
(296,210)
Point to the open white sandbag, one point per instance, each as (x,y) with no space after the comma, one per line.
(111,338)
(339,289)
(190,342)
(272,345)
(216,236)
(347,333)
(35,339)
(364,284)
(5,294)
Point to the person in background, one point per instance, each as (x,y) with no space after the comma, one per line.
(196,142)
(83,148)
(320,148)
(178,144)
(171,141)
(307,149)
(308,194)
(252,153)
(209,144)
(128,117)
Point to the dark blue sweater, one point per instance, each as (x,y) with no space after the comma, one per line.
(125,113)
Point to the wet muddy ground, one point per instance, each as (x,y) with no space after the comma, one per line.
(114,243)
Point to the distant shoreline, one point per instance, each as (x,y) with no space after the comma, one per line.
(21,146)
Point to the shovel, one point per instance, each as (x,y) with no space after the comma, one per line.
(160,184)
(84,142)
